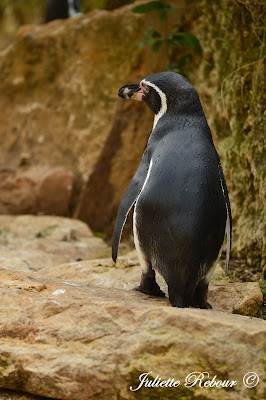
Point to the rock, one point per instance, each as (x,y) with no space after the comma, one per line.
(35,190)
(88,5)
(35,243)
(74,122)
(56,247)
(81,341)
(81,63)
(239,298)
(239,136)
(54,192)
(6,394)
(110,176)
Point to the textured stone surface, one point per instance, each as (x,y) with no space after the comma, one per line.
(35,243)
(81,63)
(76,341)
(7,394)
(56,247)
(229,82)
(240,298)
(88,335)
(76,121)
(35,190)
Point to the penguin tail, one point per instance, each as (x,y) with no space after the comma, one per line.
(114,255)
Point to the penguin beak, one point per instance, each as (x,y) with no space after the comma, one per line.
(135,91)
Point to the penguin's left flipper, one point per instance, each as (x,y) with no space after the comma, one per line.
(148,284)
(128,200)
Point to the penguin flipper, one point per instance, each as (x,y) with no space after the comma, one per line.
(128,200)
(228,226)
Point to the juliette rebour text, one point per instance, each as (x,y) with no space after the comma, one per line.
(199,379)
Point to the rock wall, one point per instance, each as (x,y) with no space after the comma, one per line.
(59,106)
(230,80)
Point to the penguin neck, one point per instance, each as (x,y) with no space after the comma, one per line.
(179,110)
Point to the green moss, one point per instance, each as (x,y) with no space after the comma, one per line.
(88,5)
(45,232)
(6,366)
(101,235)
(4,231)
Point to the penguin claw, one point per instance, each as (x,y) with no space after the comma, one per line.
(152,292)
(203,306)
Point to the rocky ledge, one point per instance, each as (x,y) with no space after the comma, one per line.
(76,330)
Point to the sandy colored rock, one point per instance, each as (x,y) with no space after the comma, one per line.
(66,249)
(35,243)
(76,341)
(35,190)
(59,104)
(6,394)
(59,86)
(239,298)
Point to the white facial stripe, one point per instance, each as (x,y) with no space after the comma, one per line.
(163,108)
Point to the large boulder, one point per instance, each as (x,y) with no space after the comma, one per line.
(59,104)
(36,190)
(59,87)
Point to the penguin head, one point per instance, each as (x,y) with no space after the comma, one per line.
(163,92)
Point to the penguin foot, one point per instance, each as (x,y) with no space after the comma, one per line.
(148,284)
(178,302)
(204,305)
(200,295)
(155,291)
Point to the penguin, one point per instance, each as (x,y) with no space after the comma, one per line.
(62,9)
(179,194)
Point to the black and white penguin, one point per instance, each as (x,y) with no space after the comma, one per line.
(179,194)
(62,9)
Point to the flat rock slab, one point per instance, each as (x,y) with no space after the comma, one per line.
(68,340)
(239,298)
(35,243)
(52,245)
